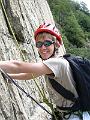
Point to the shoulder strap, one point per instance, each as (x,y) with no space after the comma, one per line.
(62,91)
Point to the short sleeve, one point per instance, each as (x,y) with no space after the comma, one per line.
(59,66)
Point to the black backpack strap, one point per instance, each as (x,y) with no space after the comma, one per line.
(62,91)
(76,106)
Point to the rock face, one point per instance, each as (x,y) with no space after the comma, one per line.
(18,20)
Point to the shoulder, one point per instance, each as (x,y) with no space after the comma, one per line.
(57,64)
(57,60)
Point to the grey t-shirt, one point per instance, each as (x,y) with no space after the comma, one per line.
(62,74)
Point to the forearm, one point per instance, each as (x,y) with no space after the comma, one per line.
(22,76)
(10,66)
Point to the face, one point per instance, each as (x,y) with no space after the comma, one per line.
(47,49)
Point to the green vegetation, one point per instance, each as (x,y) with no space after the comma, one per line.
(73,20)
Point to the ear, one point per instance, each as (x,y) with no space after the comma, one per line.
(57,44)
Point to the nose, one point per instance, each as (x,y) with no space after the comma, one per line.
(43,47)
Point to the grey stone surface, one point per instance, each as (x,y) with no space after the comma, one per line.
(24,17)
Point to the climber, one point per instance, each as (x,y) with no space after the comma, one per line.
(48,40)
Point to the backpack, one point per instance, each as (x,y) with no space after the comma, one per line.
(80,68)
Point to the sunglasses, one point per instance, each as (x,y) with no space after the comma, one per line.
(46,43)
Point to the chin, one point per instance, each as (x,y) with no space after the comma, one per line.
(45,58)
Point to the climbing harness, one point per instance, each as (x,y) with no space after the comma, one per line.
(7,77)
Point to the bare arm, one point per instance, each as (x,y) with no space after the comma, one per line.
(10,66)
(23,76)
(17,67)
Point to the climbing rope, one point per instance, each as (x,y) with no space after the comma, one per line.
(15,40)
(7,77)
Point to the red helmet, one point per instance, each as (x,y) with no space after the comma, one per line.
(49,29)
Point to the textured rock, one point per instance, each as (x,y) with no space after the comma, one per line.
(24,17)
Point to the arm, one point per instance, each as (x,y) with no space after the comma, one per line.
(10,66)
(17,67)
(23,76)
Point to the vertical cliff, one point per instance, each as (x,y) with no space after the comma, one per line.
(18,20)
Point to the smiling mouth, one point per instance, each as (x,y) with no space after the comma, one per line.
(44,52)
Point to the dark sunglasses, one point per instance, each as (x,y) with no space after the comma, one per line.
(46,43)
